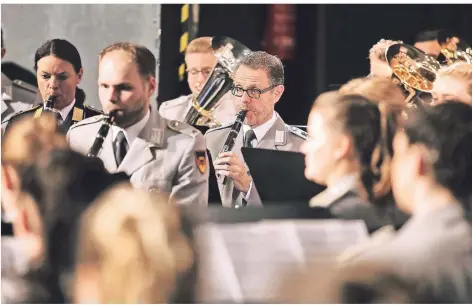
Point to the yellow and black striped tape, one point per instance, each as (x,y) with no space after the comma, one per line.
(184,38)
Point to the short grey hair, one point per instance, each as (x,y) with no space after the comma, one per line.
(270,63)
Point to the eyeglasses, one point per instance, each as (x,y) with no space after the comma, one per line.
(195,72)
(252,92)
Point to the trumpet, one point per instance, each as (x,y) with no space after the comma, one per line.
(97,146)
(231,139)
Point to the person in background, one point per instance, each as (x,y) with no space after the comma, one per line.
(17,95)
(431,179)
(131,249)
(59,71)
(200,61)
(453,82)
(349,149)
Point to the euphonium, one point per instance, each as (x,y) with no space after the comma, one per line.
(229,53)
(414,69)
(97,146)
(455,49)
(231,139)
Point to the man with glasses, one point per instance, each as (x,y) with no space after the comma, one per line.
(200,61)
(258,86)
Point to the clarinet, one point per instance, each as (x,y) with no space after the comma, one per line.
(97,146)
(49,104)
(231,139)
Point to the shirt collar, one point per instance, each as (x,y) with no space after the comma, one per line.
(64,111)
(132,132)
(261,130)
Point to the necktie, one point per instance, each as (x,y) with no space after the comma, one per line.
(59,119)
(248,137)
(120,146)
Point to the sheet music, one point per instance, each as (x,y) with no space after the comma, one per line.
(245,262)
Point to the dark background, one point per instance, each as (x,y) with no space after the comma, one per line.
(350,30)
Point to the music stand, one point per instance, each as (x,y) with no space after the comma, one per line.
(279,176)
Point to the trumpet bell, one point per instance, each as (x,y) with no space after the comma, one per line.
(412,67)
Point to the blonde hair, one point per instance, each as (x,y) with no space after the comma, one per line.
(459,70)
(378,50)
(134,239)
(29,138)
(377,89)
(200,45)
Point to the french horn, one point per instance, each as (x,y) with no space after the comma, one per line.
(229,53)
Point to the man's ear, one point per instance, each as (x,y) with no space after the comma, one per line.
(278,91)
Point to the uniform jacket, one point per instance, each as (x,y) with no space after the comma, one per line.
(167,156)
(279,137)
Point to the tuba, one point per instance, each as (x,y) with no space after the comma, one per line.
(413,69)
(228,53)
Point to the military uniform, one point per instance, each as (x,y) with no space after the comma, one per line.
(178,108)
(167,156)
(79,112)
(280,137)
(17,96)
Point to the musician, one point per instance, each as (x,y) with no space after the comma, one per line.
(200,61)
(431,179)
(158,154)
(377,59)
(59,70)
(349,149)
(453,82)
(16,95)
(427,41)
(258,84)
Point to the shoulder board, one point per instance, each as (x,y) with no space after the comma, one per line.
(297,131)
(183,128)
(87,121)
(220,127)
(32,109)
(88,107)
(25,86)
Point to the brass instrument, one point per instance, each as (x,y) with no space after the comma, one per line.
(97,146)
(228,53)
(413,69)
(454,50)
(231,139)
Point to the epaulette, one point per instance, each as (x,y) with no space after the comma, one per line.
(98,111)
(297,131)
(220,127)
(87,121)
(183,128)
(25,86)
(32,109)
